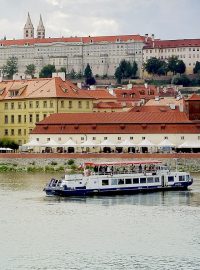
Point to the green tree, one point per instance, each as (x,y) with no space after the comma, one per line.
(134,69)
(62,69)
(181,80)
(72,74)
(180,67)
(172,63)
(118,75)
(196,69)
(11,67)
(30,70)
(79,75)
(88,72)
(154,66)
(46,71)
(8,143)
(89,79)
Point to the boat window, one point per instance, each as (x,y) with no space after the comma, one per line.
(170,178)
(121,182)
(105,182)
(114,181)
(143,180)
(149,179)
(157,179)
(181,177)
(135,180)
(187,177)
(128,181)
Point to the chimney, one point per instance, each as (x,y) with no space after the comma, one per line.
(153,39)
(146,37)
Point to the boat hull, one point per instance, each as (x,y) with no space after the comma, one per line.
(113,191)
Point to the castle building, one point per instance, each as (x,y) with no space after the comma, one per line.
(103,53)
(187,50)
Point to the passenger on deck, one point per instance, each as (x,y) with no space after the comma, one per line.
(140,168)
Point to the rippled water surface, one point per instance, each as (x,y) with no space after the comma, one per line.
(144,231)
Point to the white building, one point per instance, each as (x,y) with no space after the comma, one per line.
(103,53)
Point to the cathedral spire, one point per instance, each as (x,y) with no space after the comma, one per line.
(28,28)
(40,29)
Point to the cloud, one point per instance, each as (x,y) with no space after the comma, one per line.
(167,19)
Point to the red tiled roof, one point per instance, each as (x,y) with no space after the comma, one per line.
(43,88)
(117,123)
(97,39)
(151,109)
(109,105)
(100,94)
(116,117)
(194,97)
(173,43)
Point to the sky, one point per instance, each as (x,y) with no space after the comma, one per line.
(166,19)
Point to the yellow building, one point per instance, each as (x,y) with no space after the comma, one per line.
(25,102)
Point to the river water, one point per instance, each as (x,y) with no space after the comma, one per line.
(145,231)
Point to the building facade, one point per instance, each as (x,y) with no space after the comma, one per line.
(136,127)
(187,50)
(24,103)
(103,53)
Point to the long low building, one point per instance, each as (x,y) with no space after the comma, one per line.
(135,127)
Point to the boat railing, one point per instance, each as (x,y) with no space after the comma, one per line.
(145,172)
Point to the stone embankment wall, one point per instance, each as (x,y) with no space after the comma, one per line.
(184,160)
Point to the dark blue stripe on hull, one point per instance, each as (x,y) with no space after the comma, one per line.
(113,191)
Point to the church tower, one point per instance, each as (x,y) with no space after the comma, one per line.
(40,29)
(28,28)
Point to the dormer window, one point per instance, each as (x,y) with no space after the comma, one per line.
(14,93)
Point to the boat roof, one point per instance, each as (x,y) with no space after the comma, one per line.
(135,162)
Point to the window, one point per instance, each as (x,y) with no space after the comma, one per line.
(37,104)
(170,178)
(121,182)
(114,181)
(19,132)
(143,138)
(131,138)
(30,104)
(12,132)
(51,104)
(30,118)
(24,105)
(128,181)
(70,104)
(93,138)
(48,139)
(59,139)
(45,104)
(6,106)
(157,179)
(105,182)
(44,115)
(119,138)
(24,132)
(62,104)
(19,105)
(6,132)
(82,138)
(12,119)
(182,137)
(79,104)
(150,180)
(6,119)
(87,104)
(181,178)
(12,106)
(166,138)
(143,180)
(37,117)
(19,118)
(135,180)
(24,118)
(105,138)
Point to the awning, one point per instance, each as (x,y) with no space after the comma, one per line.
(31,144)
(166,143)
(190,144)
(126,143)
(69,143)
(107,143)
(88,143)
(145,143)
(52,143)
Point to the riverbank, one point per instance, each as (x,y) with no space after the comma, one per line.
(33,162)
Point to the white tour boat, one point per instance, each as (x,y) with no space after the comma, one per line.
(110,178)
